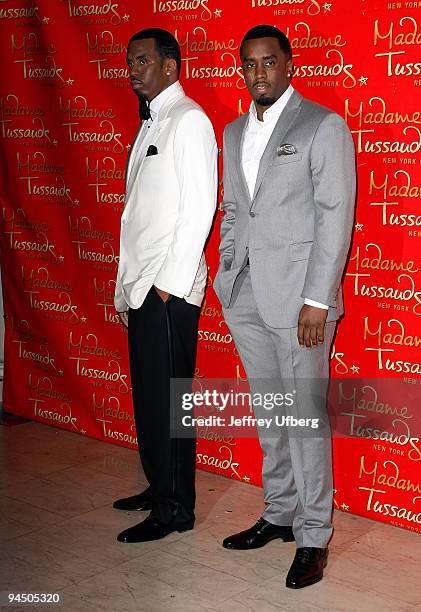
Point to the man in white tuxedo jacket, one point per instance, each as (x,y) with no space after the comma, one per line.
(171,189)
(289,189)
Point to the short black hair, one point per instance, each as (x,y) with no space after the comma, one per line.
(166,44)
(265,31)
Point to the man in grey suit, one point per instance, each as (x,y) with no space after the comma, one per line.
(289,191)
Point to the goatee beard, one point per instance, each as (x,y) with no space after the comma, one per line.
(265,101)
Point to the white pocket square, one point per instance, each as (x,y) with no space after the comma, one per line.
(286,149)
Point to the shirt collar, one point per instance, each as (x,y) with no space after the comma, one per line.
(273,112)
(167,93)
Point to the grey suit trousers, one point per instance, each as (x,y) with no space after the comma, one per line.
(297,467)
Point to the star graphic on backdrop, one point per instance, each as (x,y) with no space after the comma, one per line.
(327,7)
(355,369)
(345,506)
(61,258)
(246,479)
(76,202)
(70,81)
(359,227)
(55,142)
(362,80)
(45,19)
(126,17)
(60,372)
(83,319)
(83,431)
(128,147)
(217,12)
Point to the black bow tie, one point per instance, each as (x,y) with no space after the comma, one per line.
(144,111)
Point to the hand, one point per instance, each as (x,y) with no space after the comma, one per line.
(124,317)
(311,326)
(162,294)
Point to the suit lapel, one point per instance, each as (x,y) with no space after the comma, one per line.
(285,121)
(241,129)
(162,122)
(127,174)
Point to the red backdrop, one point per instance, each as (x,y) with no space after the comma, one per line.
(67,118)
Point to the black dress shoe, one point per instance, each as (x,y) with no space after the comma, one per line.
(307,567)
(257,536)
(151,529)
(142,501)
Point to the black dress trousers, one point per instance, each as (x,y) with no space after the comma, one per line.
(162,345)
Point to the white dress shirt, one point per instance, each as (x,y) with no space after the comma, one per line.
(256,138)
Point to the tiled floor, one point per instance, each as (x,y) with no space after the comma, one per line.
(58,534)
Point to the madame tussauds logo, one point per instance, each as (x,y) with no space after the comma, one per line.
(43,388)
(18,13)
(178,6)
(102,172)
(392,479)
(403,293)
(30,172)
(397,336)
(11,106)
(398,42)
(79,108)
(104,291)
(222,66)
(312,6)
(85,348)
(95,10)
(29,49)
(305,39)
(389,191)
(104,44)
(38,131)
(32,44)
(84,229)
(63,415)
(41,358)
(363,122)
(40,279)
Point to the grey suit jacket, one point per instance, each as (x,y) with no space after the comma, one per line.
(296,229)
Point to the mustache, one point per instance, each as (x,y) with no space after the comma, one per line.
(256,83)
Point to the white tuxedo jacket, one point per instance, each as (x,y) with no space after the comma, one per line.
(169,206)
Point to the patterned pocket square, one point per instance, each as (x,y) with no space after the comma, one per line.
(286,149)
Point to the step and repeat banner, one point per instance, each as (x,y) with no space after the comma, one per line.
(67,120)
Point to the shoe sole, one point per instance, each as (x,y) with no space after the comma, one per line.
(285,539)
(179,530)
(148,509)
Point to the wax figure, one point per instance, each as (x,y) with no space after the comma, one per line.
(289,189)
(171,188)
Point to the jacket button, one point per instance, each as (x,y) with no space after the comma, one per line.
(252,214)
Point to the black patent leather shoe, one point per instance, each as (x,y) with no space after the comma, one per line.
(142,501)
(257,536)
(307,567)
(150,529)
